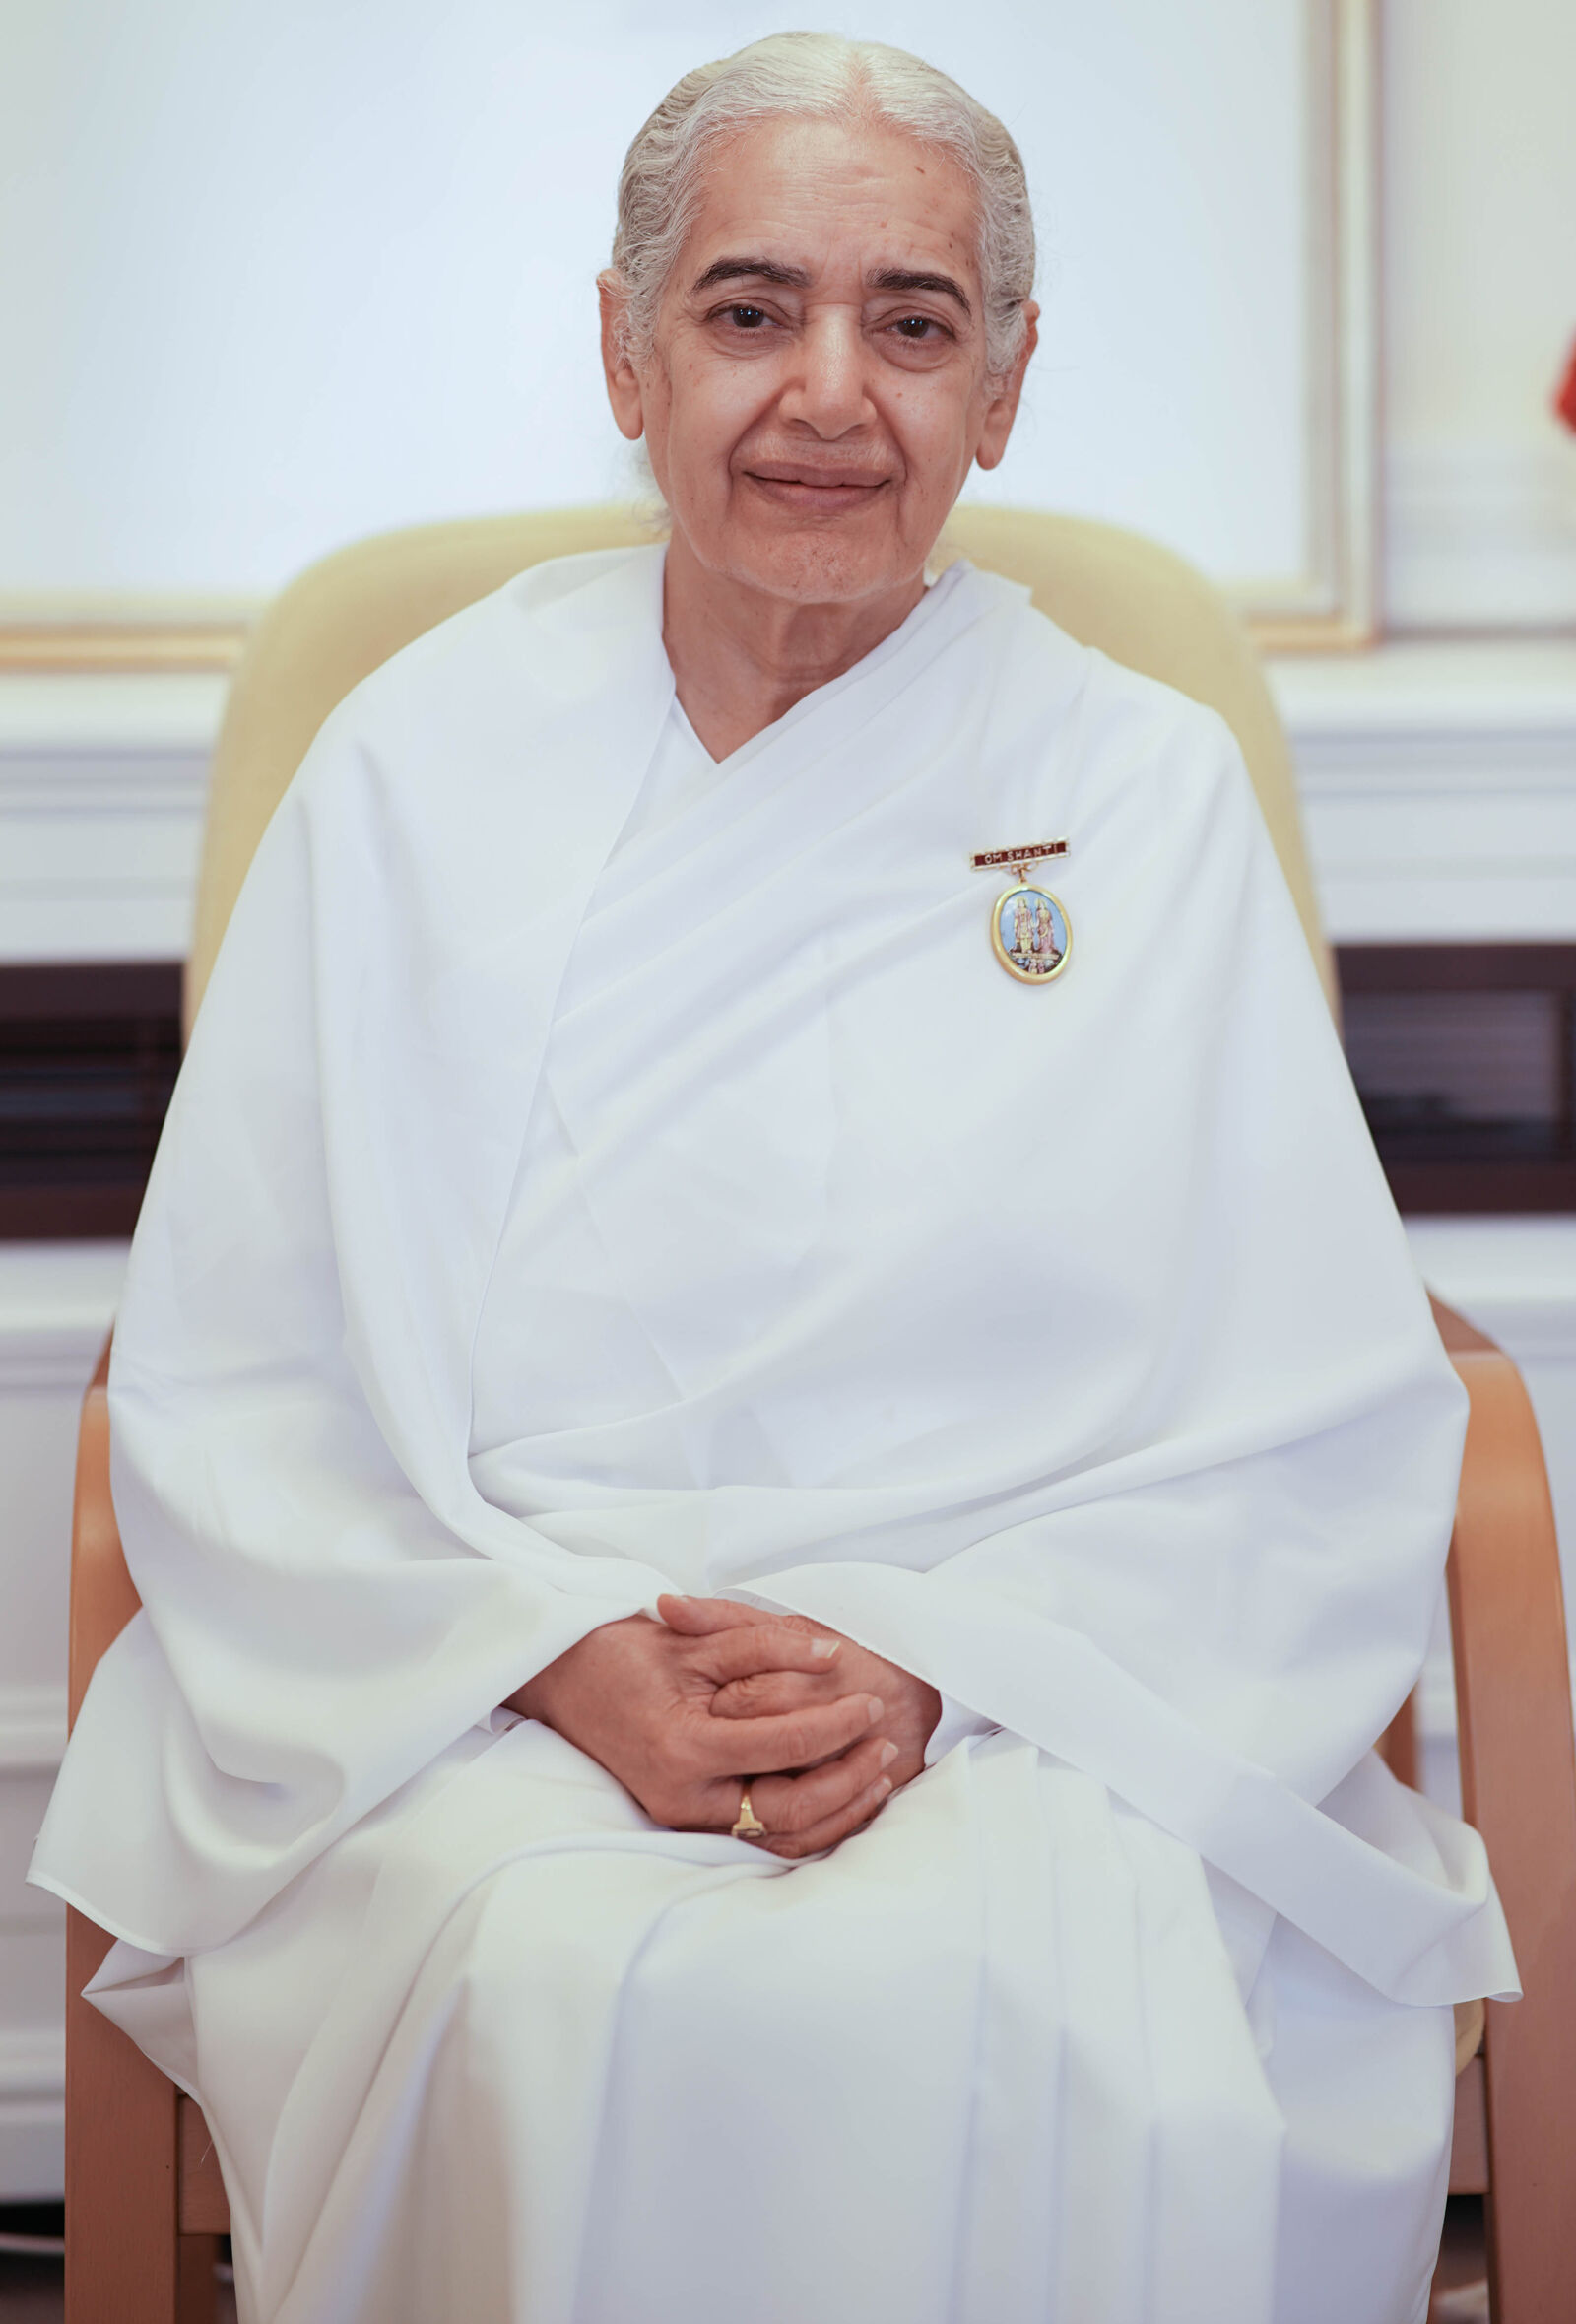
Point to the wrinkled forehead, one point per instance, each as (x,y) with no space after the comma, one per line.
(831,198)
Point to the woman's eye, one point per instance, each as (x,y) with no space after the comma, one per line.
(744,318)
(914,327)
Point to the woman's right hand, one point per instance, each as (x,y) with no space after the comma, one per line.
(636,1697)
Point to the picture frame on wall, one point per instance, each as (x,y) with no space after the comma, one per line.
(1332,602)
(273,317)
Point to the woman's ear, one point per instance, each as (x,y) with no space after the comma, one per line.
(1002,409)
(623,385)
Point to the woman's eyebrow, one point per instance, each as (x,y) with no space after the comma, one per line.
(761,270)
(901,278)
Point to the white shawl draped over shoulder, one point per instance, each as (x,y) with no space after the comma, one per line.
(1060,1343)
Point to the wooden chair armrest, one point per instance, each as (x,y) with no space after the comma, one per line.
(1518,1782)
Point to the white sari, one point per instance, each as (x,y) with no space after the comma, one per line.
(545,1220)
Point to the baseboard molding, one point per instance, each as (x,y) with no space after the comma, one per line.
(33,2065)
(1515,1278)
(33,2151)
(57,1300)
(33,1731)
(32,2115)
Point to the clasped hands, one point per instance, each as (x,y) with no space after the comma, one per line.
(686,1711)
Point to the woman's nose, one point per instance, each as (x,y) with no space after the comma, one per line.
(827,390)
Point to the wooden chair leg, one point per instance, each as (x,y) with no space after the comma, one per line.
(122,2257)
(127,2262)
(196,2286)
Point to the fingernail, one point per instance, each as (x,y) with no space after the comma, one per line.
(886,1756)
(875,1708)
(824,1648)
(879,1791)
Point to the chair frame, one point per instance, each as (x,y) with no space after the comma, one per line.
(145,2202)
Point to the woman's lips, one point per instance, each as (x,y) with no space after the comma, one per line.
(817,493)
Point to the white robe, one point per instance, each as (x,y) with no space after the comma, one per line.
(543,1222)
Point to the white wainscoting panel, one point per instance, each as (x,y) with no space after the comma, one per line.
(1438,786)
(102,782)
(56,1301)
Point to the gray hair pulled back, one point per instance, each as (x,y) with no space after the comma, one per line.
(819,75)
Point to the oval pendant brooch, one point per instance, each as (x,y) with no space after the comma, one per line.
(1030,933)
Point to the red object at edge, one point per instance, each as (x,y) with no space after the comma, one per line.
(1565,393)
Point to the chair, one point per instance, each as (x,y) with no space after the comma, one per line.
(143,2199)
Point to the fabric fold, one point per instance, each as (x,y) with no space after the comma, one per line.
(1378,1876)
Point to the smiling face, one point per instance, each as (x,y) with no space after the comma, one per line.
(816,390)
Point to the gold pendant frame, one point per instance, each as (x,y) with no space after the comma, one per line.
(1029,976)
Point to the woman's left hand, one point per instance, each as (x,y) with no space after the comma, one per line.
(913,1707)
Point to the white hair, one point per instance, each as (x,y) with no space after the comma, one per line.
(819,75)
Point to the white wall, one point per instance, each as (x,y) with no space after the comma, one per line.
(1479,172)
(275,277)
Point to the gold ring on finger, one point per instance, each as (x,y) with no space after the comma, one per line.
(749,1826)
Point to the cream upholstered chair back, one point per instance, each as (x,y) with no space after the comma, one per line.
(1133,599)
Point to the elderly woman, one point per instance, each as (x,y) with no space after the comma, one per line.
(771,1556)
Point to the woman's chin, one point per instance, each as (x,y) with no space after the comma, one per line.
(811,561)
